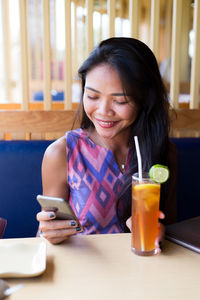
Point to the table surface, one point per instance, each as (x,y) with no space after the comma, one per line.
(104,267)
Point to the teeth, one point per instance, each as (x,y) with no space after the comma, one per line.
(107,123)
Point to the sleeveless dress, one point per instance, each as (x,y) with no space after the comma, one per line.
(95,182)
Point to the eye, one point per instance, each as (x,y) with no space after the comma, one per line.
(120,102)
(92,97)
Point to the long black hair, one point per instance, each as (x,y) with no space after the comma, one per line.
(141,81)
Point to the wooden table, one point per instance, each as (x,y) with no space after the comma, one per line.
(104,267)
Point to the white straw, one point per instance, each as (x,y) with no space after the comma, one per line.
(140,180)
(138,158)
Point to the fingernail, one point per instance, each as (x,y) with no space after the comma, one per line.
(78,228)
(51,215)
(73,223)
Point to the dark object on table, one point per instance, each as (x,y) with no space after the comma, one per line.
(3,224)
(185,233)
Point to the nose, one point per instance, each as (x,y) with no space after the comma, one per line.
(105,108)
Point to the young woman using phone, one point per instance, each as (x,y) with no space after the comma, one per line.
(122,96)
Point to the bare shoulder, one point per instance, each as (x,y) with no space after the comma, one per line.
(55,156)
(57,149)
(54,169)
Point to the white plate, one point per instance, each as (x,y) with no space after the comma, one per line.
(22,257)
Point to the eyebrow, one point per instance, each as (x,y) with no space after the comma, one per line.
(96,91)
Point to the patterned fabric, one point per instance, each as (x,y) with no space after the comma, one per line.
(95,181)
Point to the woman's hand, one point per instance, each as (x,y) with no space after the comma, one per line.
(161,233)
(160,236)
(55,231)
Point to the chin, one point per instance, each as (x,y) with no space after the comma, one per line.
(107,135)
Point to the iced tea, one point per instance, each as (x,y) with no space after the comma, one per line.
(145,214)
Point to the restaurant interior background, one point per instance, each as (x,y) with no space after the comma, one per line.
(43,42)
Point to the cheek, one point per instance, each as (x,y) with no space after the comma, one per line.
(133,112)
(87,106)
(130,114)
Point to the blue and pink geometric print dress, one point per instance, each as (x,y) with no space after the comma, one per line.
(95,182)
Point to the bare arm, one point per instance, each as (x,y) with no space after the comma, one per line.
(54,181)
(54,170)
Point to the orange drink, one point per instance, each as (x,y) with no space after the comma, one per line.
(145,214)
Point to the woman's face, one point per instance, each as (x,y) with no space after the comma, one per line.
(106,105)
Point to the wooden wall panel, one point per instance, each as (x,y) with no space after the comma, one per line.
(53,124)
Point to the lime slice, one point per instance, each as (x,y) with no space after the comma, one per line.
(159,173)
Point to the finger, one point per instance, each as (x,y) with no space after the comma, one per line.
(57,225)
(56,236)
(45,216)
(56,241)
(161,215)
(160,237)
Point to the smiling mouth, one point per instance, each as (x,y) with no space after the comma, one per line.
(106,124)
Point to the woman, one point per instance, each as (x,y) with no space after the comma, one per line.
(122,95)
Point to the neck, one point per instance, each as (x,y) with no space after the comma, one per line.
(118,145)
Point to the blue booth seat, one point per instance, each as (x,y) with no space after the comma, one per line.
(188,192)
(20,182)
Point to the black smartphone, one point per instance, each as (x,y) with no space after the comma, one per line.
(62,208)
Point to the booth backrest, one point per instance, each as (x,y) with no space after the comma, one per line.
(188,195)
(20,182)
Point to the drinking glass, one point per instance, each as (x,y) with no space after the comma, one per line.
(145,214)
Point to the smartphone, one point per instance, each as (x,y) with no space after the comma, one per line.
(62,208)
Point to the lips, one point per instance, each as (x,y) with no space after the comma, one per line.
(106,124)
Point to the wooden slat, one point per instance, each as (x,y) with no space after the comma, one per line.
(120,11)
(68,56)
(10,106)
(54,135)
(89,25)
(54,50)
(36,106)
(185,30)
(31,61)
(47,55)
(155,19)
(175,60)
(2,136)
(134,16)
(24,54)
(195,72)
(52,124)
(38,54)
(187,119)
(37,136)
(101,17)
(168,31)
(147,35)
(185,133)
(111,17)
(76,53)
(18,135)
(6,49)
(36,121)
